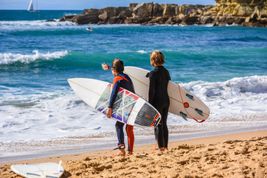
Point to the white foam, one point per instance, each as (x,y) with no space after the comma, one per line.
(235,104)
(141,51)
(33,24)
(10,58)
(48,115)
(236,98)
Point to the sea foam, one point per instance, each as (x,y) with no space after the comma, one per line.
(141,51)
(235,98)
(238,103)
(33,24)
(10,58)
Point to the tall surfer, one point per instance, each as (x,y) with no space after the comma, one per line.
(120,80)
(159,78)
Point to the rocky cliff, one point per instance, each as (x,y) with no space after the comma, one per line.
(242,12)
(225,12)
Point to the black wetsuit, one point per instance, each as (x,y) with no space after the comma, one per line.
(159,98)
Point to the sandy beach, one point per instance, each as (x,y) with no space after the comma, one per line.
(232,155)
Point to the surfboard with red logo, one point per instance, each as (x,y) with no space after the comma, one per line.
(182,102)
(128,108)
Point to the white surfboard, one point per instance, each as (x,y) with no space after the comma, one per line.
(128,107)
(42,170)
(182,102)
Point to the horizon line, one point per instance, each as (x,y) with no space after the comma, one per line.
(106,6)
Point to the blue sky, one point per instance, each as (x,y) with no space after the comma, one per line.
(82,4)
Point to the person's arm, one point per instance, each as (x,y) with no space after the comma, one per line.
(152,87)
(115,90)
(114,93)
(105,66)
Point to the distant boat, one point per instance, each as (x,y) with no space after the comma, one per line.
(30,6)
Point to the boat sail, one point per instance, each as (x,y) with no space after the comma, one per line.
(30,6)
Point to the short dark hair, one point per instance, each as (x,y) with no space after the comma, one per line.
(118,65)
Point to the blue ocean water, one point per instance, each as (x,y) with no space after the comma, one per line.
(224,66)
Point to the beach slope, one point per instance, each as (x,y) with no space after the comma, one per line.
(233,155)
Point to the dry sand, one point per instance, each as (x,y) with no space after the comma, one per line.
(235,155)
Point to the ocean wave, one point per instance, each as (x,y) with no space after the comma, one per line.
(11,58)
(33,24)
(244,39)
(142,52)
(55,111)
(233,87)
(235,98)
(237,103)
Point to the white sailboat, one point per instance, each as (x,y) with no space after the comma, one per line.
(30,6)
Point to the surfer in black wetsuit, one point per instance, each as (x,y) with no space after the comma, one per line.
(158,96)
(120,80)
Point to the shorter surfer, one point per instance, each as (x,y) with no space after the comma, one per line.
(159,78)
(120,80)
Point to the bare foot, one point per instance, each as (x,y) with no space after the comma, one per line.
(122,153)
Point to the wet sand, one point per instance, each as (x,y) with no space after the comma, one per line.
(232,155)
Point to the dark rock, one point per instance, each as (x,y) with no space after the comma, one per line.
(170,21)
(263,21)
(143,10)
(86,19)
(88,16)
(125,13)
(188,20)
(157,10)
(226,12)
(206,20)
(67,18)
(132,6)
(137,20)
(115,13)
(158,20)
(107,12)
(229,20)
(103,16)
(239,20)
(91,11)
(178,19)
(169,10)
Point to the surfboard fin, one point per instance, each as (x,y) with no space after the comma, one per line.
(59,165)
(200,112)
(184,116)
(191,97)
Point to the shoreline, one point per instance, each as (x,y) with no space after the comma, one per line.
(223,155)
(109,145)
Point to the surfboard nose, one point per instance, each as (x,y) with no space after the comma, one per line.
(71,80)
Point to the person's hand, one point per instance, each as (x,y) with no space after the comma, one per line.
(109,112)
(105,66)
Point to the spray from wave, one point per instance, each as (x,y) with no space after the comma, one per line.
(240,101)
(11,58)
(236,98)
(33,24)
(142,52)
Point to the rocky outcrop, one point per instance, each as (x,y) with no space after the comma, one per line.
(242,12)
(225,12)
